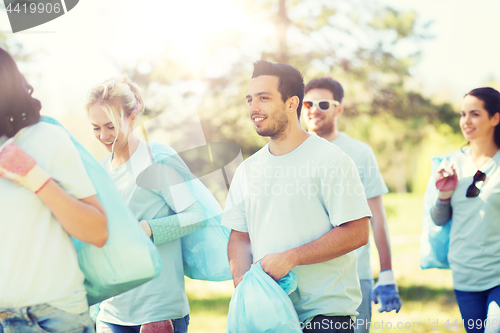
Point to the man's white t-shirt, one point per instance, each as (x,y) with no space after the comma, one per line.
(287,201)
(373,183)
(38,259)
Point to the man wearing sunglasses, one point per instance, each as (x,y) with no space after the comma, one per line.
(322,108)
(291,206)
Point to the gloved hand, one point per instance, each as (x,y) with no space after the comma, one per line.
(164,326)
(21,168)
(387,289)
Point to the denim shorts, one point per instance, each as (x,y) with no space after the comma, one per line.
(43,318)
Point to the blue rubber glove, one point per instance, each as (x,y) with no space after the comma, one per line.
(387,289)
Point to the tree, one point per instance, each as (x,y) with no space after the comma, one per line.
(15,48)
(367,47)
(361,44)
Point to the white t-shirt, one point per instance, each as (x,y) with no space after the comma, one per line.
(474,252)
(38,260)
(163,298)
(373,183)
(287,201)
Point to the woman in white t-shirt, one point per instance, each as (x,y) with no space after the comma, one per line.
(166,210)
(45,196)
(469,194)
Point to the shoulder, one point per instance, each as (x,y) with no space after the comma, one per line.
(46,131)
(159,150)
(256,157)
(105,160)
(256,161)
(44,137)
(325,151)
(349,144)
(456,156)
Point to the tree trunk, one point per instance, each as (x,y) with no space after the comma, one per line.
(282,22)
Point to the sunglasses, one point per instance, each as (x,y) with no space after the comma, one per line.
(473,191)
(323,105)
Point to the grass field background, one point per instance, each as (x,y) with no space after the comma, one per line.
(428,298)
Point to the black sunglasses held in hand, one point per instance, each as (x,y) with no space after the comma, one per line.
(473,191)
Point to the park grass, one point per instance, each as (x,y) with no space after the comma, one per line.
(427,294)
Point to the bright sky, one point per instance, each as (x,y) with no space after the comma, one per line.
(465,52)
(81,47)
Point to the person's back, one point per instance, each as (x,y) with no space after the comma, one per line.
(43,259)
(46,196)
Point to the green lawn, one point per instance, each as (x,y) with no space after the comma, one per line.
(427,294)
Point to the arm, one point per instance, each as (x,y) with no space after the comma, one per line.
(343,239)
(380,232)
(166,229)
(441,212)
(386,288)
(446,183)
(240,255)
(84,219)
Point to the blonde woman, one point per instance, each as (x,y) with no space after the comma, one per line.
(159,305)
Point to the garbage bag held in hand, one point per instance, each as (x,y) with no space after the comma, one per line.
(435,240)
(129,258)
(204,252)
(259,304)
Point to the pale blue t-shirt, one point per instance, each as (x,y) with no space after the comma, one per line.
(287,201)
(474,252)
(373,183)
(37,257)
(163,298)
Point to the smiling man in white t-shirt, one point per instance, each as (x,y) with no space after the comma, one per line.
(294,205)
(322,107)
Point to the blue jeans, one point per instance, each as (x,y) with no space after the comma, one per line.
(365,308)
(476,307)
(43,318)
(180,326)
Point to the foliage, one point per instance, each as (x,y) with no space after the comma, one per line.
(15,48)
(367,47)
(360,44)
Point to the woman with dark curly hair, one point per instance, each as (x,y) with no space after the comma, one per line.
(46,196)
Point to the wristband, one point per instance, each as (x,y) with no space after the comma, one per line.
(386,277)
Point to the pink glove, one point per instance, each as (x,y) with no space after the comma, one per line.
(446,179)
(21,168)
(164,326)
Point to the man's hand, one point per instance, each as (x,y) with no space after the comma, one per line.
(277,265)
(387,289)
